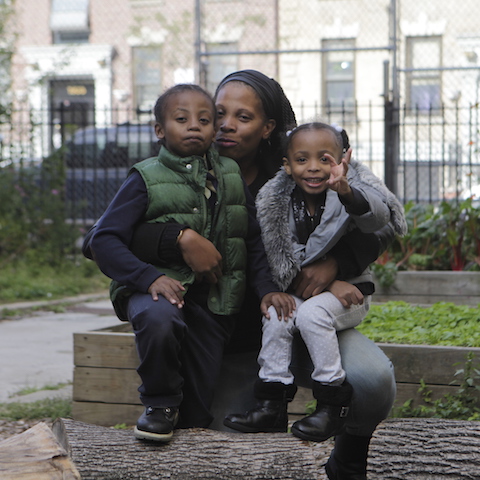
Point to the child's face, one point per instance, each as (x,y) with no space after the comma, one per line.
(188,127)
(307,160)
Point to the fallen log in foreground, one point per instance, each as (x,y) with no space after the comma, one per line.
(416,449)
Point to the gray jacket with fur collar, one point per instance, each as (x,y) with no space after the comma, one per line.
(275,215)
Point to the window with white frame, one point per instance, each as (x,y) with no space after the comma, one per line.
(424,57)
(147,76)
(69,21)
(339,75)
(218,66)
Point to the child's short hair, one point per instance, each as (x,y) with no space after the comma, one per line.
(161,103)
(339,133)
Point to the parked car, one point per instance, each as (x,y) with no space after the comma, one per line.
(97,161)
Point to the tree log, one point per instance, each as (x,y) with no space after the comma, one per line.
(193,454)
(416,449)
(35,455)
(425,449)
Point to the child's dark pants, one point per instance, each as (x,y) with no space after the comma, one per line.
(180,353)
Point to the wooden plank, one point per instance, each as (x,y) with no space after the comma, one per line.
(110,385)
(407,391)
(117,409)
(427,287)
(106,414)
(433,364)
(298,405)
(105,349)
(416,299)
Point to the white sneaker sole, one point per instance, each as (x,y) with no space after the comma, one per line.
(156,437)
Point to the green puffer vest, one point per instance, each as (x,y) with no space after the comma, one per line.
(176,193)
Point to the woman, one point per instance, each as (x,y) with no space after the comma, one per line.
(253,116)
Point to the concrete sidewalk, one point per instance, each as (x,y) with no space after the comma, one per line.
(36,350)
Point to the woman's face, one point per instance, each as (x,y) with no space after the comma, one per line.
(241,122)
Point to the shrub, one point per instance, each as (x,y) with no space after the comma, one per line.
(446,237)
(32,213)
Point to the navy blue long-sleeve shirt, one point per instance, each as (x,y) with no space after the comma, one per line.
(110,243)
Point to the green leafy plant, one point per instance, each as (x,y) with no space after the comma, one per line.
(462,405)
(385,273)
(442,323)
(446,237)
(32,213)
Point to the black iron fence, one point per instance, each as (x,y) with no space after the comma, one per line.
(424,156)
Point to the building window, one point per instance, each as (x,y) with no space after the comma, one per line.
(218,66)
(69,21)
(147,76)
(424,86)
(339,76)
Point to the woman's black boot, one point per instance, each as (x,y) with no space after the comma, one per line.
(348,460)
(270,412)
(329,416)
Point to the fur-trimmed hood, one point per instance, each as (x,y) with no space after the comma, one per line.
(285,255)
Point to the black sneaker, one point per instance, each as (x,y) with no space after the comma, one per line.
(156,424)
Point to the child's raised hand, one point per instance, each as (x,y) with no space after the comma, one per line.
(283,303)
(169,288)
(338,175)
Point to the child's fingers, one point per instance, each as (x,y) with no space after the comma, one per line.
(348,155)
(331,159)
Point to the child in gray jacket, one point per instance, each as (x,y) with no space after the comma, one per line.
(316,198)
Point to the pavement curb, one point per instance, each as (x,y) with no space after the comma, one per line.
(27,305)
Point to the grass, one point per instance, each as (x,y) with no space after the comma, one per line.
(23,281)
(29,390)
(49,408)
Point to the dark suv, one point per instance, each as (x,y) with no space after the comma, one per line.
(97,161)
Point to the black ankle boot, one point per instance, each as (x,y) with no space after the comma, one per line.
(329,416)
(270,412)
(348,460)
(266,416)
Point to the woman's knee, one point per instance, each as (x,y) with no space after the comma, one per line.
(372,376)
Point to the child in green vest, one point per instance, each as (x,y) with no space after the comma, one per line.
(182,321)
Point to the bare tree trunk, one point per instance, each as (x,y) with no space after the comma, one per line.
(416,449)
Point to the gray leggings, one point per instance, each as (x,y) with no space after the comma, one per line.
(317,320)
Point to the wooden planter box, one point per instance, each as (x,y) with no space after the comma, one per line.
(462,288)
(105,378)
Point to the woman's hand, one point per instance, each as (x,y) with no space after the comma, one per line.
(347,293)
(283,302)
(201,255)
(169,288)
(315,277)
